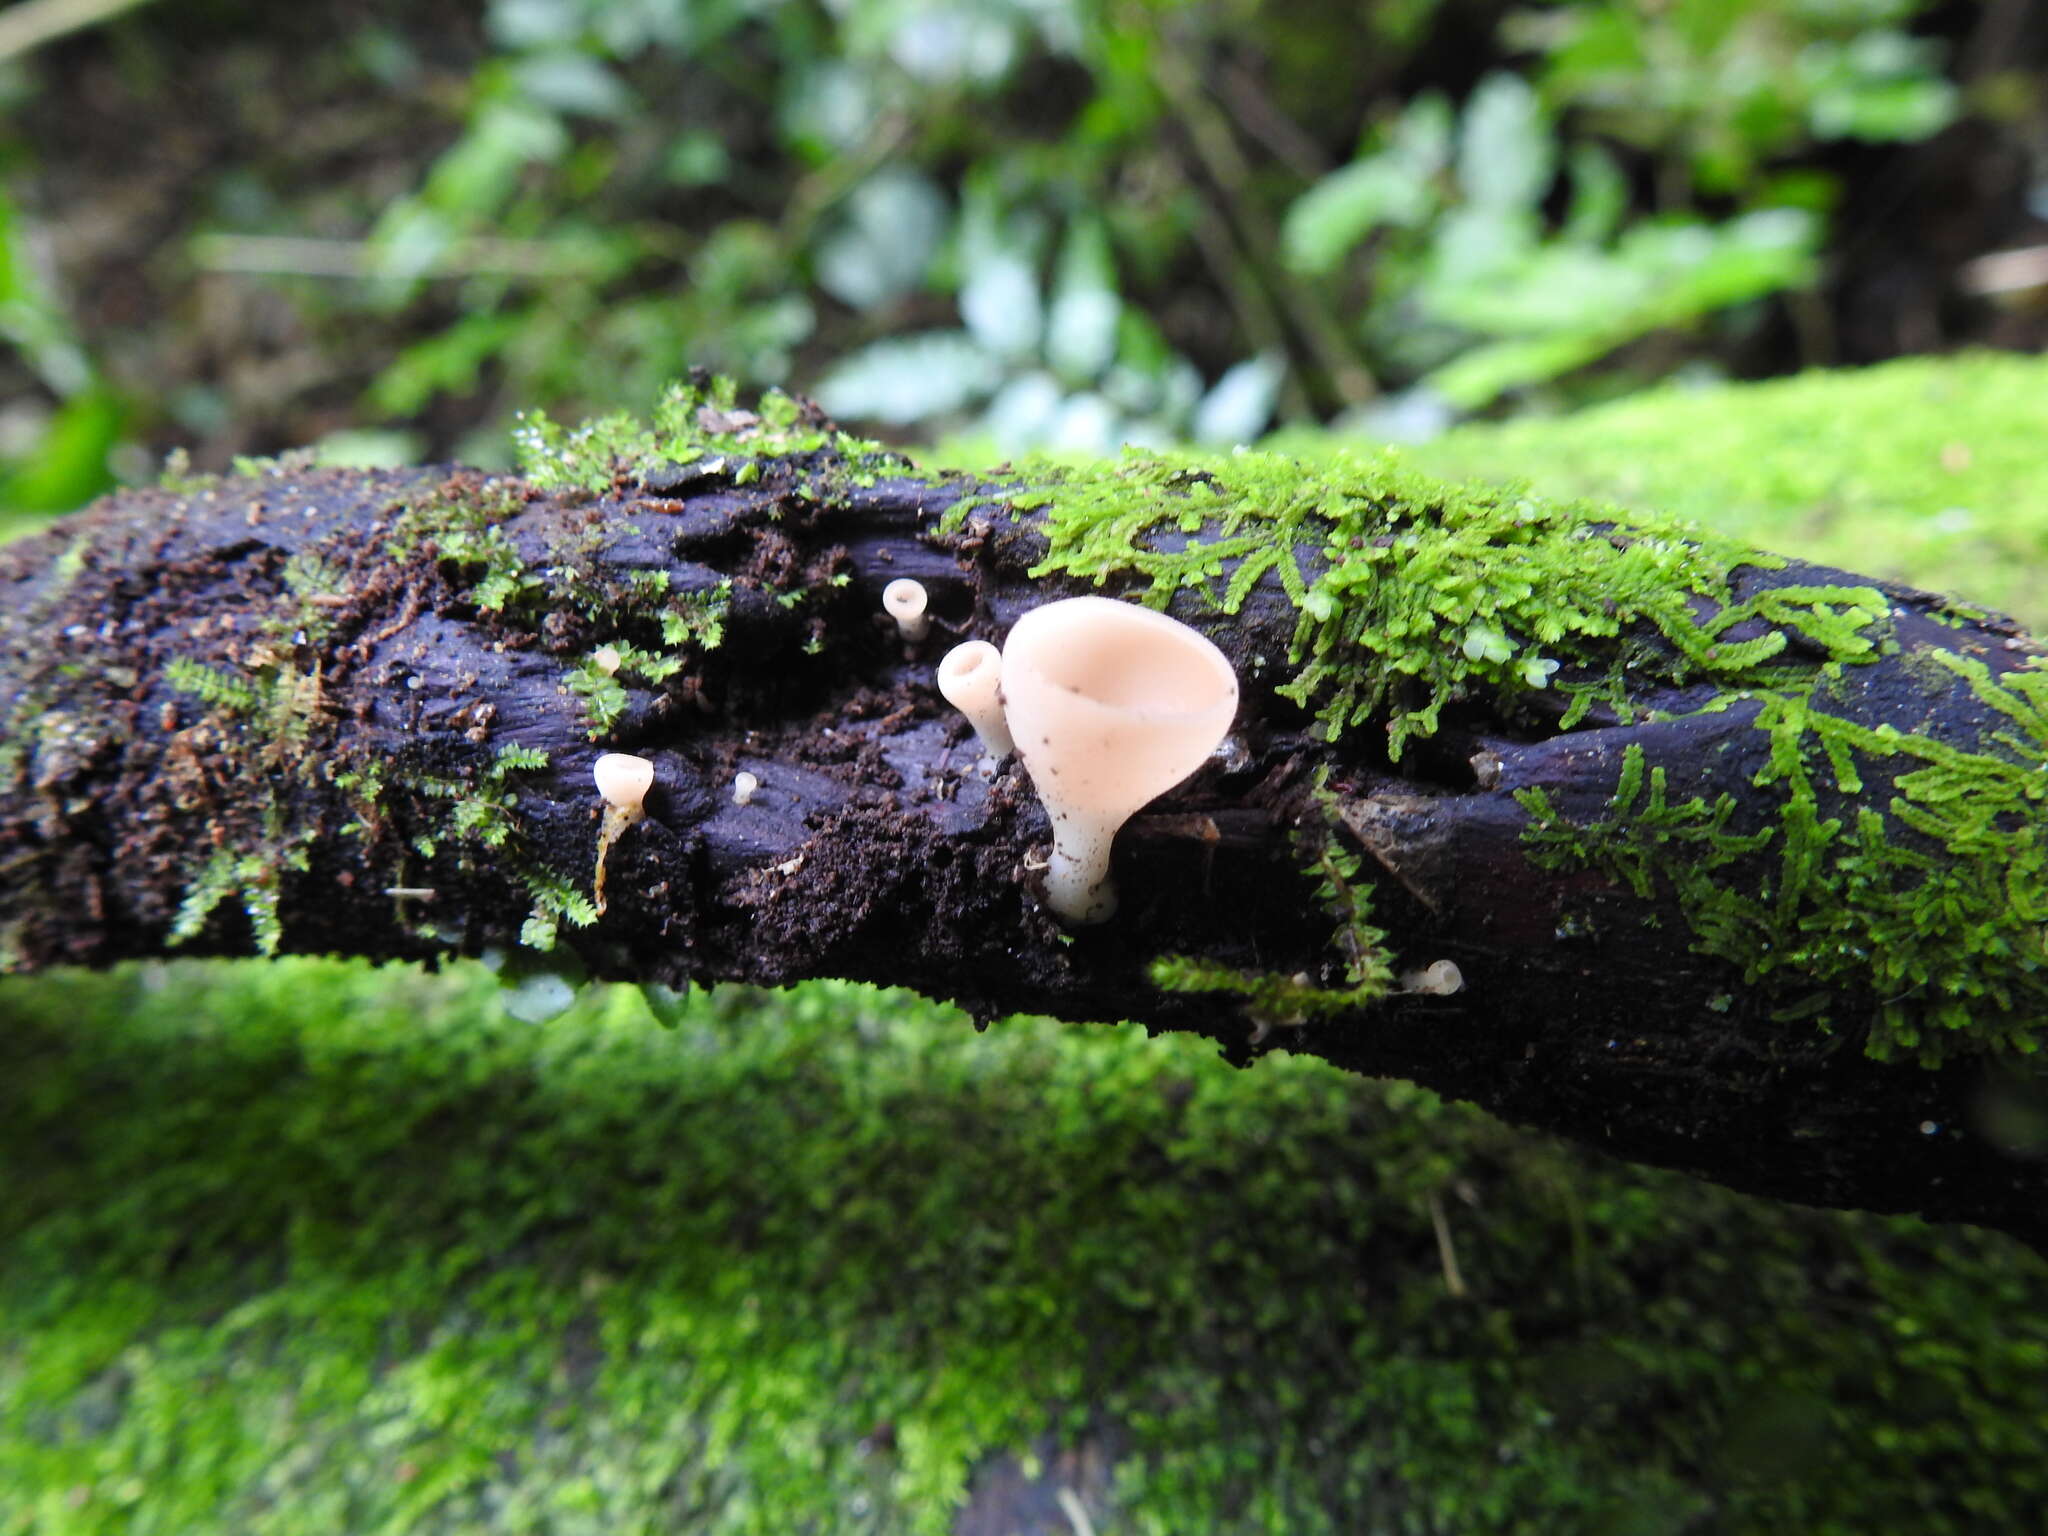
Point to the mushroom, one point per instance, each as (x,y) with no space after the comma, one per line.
(1438,980)
(970,678)
(1111,705)
(622,781)
(904,601)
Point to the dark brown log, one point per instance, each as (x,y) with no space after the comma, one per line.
(204,686)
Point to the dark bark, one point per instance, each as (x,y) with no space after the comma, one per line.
(873,850)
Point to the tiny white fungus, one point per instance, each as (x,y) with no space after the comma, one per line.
(970,677)
(1438,980)
(904,601)
(607,658)
(623,780)
(743,787)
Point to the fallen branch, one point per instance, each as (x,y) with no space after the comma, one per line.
(1628,836)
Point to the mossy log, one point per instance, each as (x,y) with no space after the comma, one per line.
(1739,860)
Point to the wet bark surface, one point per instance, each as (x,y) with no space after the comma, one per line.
(353,646)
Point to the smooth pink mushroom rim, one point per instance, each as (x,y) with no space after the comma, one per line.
(1111,705)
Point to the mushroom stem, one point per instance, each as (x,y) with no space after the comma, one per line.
(1077,883)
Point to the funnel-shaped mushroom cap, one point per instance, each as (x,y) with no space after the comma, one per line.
(1111,705)
(904,601)
(623,780)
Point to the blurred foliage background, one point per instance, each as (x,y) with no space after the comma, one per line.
(233,227)
(304,1247)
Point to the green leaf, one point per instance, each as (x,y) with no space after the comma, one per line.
(910,378)
(1506,152)
(1327,222)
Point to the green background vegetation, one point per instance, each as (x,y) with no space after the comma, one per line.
(303,1247)
(386,227)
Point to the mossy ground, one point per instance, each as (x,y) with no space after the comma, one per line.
(307,1248)
(1927,470)
(303,1247)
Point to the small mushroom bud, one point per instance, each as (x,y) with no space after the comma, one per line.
(1438,980)
(744,787)
(969,677)
(904,601)
(1111,706)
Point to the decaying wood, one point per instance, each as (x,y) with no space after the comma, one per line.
(874,848)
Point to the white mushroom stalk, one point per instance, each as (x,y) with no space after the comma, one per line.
(904,601)
(622,782)
(970,677)
(1111,705)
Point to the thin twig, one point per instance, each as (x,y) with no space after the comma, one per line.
(308,256)
(2019,271)
(1446,1254)
(1209,131)
(1260,116)
(27,26)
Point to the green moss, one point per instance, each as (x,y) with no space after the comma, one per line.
(1272,999)
(250,876)
(1926,470)
(305,1247)
(211,686)
(696,618)
(1417,593)
(595,680)
(179,478)
(1632,845)
(1932,905)
(482,819)
(461,518)
(1412,595)
(697,425)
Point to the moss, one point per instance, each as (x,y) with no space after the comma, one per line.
(696,618)
(1413,593)
(696,432)
(1921,919)
(595,680)
(307,1247)
(250,876)
(482,819)
(1363,963)
(211,686)
(1926,470)
(1934,905)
